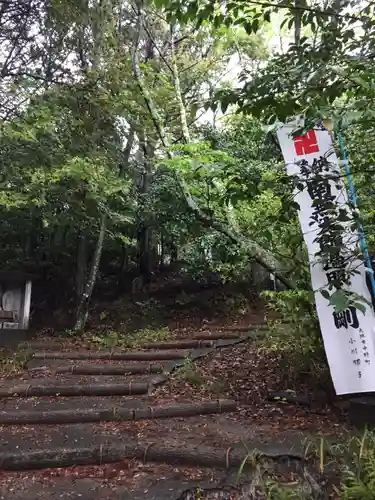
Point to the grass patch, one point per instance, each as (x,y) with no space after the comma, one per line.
(189,373)
(13,363)
(298,343)
(344,471)
(113,340)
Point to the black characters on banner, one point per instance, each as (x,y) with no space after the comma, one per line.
(319,176)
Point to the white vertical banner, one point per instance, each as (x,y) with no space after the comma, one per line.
(348,336)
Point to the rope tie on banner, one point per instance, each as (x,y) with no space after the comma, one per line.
(227,457)
(353,198)
(146,451)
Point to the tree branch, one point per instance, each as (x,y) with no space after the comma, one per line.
(177,86)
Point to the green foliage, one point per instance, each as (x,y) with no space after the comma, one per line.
(109,341)
(274,490)
(12,364)
(358,480)
(325,73)
(150,335)
(79,141)
(312,73)
(348,474)
(190,374)
(112,340)
(294,306)
(233,176)
(296,337)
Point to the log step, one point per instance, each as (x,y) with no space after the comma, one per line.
(178,344)
(27,391)
(108,369)
(153,452)
(229,332)
(201,336)
(130,356)
(172,344)
(115,413)
(36,345)
(237,328)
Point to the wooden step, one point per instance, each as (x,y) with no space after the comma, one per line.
(54,416)
(130,355)
(108,369)
(110,389)
(156,452)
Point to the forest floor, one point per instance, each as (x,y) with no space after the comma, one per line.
(240,372)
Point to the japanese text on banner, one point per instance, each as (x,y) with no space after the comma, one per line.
(349,335)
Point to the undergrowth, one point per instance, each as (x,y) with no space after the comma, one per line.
(345,471)
(13,363)
(358,480)
(296,337)
(190,374)
(114,339)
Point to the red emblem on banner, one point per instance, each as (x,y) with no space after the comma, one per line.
(306,144)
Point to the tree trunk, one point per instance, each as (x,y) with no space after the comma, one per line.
(336,6)
(144,231)
(297,21)
(144,243)
(127,151)
(123,266)
(81,265)
(161,251)
(177,86)
(123,168)
(83,307)
(174,254)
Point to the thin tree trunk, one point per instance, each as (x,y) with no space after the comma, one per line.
(297,21)
(336,5)
(162,251)
(122,269)
(177,86)
(82,311)
(174,254)
(126,155)
(144,242)
(124,165)
(144,231)
(124,259)
(258,253)
(81,265)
